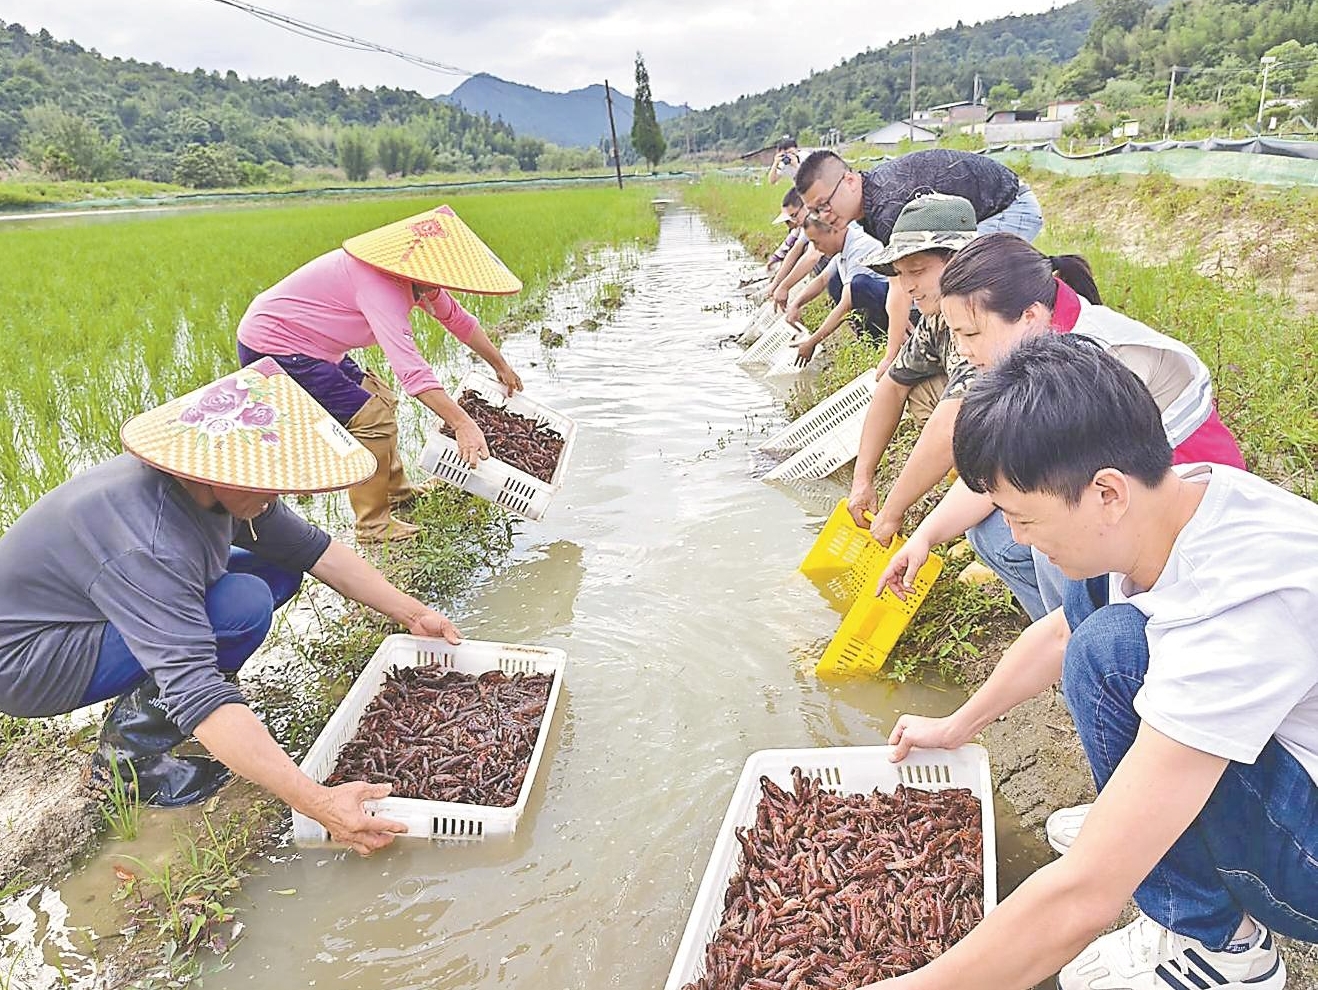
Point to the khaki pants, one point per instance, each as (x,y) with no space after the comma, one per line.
(924,398)
(375,425)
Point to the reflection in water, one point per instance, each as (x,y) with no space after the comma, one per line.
(668,574)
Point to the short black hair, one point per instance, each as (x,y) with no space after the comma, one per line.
(792,199)
(785,142)
(1053,413)
(815,162)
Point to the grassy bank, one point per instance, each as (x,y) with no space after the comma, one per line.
(37,193)
(104,319)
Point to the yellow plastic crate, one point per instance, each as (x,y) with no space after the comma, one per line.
(872,625)
(840,546)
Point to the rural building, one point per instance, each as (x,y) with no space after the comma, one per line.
(1064,110)
(892,134)
(1004,126)
(957,114)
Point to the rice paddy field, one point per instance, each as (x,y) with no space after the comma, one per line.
(110,315)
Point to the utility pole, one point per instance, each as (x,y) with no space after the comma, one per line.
(617,156)
(974,100)
(1167,120)
(687,108)
(1268,61)
(1218,106)
(911,120)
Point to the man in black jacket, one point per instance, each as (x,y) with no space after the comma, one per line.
(838,194)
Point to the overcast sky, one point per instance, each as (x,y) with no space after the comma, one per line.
(698,51)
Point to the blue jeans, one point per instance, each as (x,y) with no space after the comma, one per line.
(1024,217)
(869,297)
(1050,581)
(1009,560)
(240,606)
(1254,847)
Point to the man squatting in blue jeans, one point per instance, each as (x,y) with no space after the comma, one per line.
(1187,650)
(151,581)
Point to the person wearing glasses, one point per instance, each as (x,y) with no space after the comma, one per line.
(837,193)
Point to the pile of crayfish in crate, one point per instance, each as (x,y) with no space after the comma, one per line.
(517,440)
(440,735)
(836,891)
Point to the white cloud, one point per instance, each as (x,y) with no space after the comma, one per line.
(697,51)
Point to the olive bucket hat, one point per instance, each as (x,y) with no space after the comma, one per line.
(255,429)
(926,224)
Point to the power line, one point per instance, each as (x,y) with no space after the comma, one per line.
(339,39)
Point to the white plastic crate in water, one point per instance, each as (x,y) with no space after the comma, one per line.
(433,819)
(493,479)
(760,319)
(843,769)
(825,416)
(787,360)
(770,343)
(824,455)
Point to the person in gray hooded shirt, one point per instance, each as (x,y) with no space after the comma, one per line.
(130,582)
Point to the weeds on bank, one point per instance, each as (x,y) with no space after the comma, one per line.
(121,811)
(184,901)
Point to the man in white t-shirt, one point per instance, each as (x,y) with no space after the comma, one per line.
(860,288)
(1187,649)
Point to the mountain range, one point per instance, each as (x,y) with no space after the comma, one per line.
(577,118)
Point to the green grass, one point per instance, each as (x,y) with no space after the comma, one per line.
(107,318)
(38,192)
(121,811)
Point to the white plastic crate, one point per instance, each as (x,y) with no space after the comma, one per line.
(824,455)
(493,479)
(770,343)
(846,770)
(785,362)
(433,819)
(760,319)
(826,415)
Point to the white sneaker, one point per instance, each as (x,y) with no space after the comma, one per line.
(1146,956)
(1063,826)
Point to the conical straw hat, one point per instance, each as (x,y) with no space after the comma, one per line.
(256,430)
(436,248)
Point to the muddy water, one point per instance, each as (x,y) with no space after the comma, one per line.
(667,572)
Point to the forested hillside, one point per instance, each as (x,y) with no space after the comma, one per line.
(1133,45)
(1116,53)
(874,86)
(76,114)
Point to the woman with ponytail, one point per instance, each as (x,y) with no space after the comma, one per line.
(999,291)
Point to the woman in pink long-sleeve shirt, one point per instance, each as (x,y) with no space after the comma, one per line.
(311,319)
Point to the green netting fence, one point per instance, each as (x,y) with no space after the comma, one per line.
(1181,163)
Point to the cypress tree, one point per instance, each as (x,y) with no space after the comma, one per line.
(647,138)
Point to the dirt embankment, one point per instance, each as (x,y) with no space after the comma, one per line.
(49,814)
(1230,229)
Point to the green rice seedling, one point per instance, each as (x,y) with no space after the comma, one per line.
(108,315)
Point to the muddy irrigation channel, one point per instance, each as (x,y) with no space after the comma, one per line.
(667,571)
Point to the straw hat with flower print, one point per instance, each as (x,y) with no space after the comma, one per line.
(255,430)
(435,248)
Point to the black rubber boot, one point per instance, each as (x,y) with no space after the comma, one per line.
(137,736)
